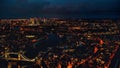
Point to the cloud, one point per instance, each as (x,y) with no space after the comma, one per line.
(27,8)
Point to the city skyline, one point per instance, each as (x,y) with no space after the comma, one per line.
(60,8)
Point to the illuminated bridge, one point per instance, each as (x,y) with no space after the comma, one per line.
(15,58)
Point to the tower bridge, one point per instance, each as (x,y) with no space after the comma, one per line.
(15,58)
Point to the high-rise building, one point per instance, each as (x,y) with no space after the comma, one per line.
(32,21)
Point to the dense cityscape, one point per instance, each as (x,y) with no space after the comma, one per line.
(59,43)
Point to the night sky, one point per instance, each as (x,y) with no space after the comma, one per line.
(60,8)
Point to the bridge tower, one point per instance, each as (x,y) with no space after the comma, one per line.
(14,63)
(6,52)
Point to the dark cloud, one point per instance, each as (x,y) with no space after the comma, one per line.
(54,8)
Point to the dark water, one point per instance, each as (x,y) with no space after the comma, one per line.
(3,64)
(51,41)
(116,60)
